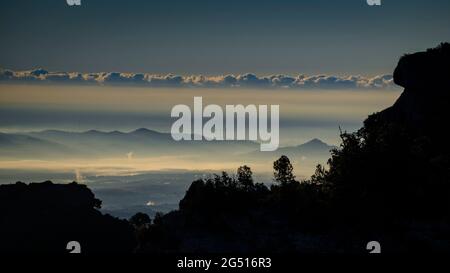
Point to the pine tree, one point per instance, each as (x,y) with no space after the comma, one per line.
(283,171)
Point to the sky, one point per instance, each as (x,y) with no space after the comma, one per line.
(327,63)
(304,115)
(218,37)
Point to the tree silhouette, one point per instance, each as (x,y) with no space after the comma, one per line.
(283,171)
(158,218)
(140,219)
(244,177)
(43,217)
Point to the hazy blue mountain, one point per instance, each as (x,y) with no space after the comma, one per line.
(147,143)
(142,142)
(18,145)
(305,156)
(313,148)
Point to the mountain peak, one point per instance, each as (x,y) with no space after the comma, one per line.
(115,132)
(314,142)
(143,131)
(93,131)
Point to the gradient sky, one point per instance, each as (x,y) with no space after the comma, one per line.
(218,37)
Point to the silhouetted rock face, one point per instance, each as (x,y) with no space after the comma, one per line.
(44,217)
(405,148)
(425,72)
(422,108)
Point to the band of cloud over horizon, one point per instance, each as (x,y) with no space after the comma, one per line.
(247,80)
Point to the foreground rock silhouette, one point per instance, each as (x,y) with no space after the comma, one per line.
(44,217)
(422,107)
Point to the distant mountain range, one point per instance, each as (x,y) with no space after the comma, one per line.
(314,146)
(142,143)
(308,154)
(26,146)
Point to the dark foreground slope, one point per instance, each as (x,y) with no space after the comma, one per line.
(44,217)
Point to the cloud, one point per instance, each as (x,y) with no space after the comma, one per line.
(223,81)
(326,82)
(6,74)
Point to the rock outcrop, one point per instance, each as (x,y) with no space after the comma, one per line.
(44,217)
(423,105)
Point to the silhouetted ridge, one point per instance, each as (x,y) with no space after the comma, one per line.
(44,217)
(425,71)
(422,108)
